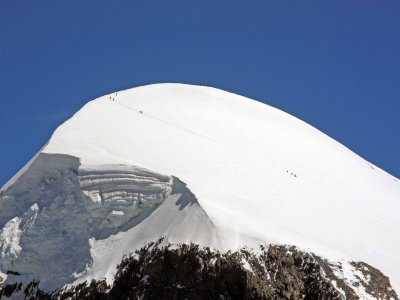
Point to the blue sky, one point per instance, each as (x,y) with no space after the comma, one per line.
(334,64)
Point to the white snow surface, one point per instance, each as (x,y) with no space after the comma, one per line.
(255,170)
(10,234)
(9,239)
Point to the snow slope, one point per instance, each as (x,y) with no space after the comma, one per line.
(254,170)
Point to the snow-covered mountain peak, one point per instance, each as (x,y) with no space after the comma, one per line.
(256,174)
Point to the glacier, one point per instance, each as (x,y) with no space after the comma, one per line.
(194,164)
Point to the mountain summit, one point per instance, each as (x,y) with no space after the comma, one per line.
(193,164)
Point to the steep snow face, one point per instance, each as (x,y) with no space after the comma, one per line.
(255,170)
(9,239)
(10,236)
(178,219)
(63,223)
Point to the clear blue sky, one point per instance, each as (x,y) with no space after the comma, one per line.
(334,64)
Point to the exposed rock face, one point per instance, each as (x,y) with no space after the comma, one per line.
(191,272)
(378,284)
(358,280)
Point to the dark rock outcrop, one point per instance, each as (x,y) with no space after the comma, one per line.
(191,272)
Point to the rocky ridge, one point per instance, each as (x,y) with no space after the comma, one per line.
(192,272)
